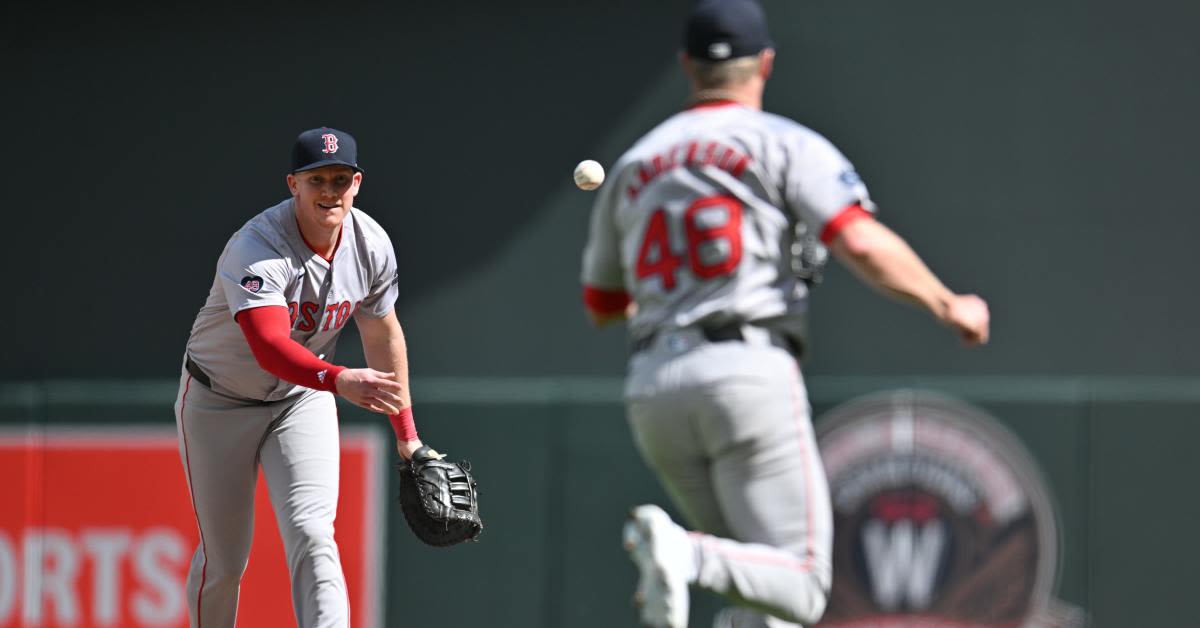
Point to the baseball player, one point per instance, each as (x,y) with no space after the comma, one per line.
(692,239)
(258,381)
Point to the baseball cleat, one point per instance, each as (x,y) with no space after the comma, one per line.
(663,553)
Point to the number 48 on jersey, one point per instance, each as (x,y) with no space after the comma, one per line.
(713,229)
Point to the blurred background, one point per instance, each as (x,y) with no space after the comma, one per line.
(1037,153)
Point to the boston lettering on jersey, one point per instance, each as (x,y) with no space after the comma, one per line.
(716,154)
(310,315)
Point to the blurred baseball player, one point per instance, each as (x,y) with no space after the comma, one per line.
(692,238)
(258,381)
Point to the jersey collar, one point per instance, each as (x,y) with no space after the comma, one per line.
(712,104)
(336,246)
(300,245)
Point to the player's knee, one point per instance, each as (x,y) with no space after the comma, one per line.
(312,539)
(808,605)
(221,565)
(820,601)
(220,574)
(314,532)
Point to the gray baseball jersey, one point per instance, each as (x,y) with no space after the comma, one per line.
(267,262)
(698,218)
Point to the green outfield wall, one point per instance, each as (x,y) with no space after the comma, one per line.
(558,473)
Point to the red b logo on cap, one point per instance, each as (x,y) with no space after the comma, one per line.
(330,143)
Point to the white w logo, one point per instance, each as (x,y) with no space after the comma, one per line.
(902,561)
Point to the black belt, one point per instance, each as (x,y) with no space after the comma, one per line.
(199,375)
(196,373)
(726,332)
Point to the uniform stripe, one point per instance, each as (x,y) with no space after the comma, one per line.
(806,461)
(774,557)
(187,460)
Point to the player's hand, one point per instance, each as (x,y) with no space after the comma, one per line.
(968,315)
(370,389)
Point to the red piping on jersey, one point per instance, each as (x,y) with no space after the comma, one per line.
(605,302)
(778,558)
(402,423)
(806,459)
(314,249)
(187,463)
(268,332)
(843,218)
(711,104)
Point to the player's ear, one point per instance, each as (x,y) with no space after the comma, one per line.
(686,63)
(766,63)
(355,183)
(292,185)
(689,68)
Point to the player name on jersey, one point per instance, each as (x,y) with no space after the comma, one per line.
(694,153)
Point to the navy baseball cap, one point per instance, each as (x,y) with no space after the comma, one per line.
(717,30)
(324,146)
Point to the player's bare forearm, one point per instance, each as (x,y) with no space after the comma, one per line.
(385,349)
(883,260)
(887,263)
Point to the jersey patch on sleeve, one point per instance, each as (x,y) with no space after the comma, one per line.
(253,283)
(854,183)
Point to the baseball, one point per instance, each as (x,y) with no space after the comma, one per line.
(589,175)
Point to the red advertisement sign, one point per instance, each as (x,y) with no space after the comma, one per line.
(96,529)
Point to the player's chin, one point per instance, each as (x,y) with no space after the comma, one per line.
(331,217)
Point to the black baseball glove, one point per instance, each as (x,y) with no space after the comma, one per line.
(439,499)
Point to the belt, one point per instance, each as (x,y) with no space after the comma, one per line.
(196,372)
(726,332)
(199,375)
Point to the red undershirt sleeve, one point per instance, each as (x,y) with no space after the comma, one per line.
(268,332)
(605,302)
(848,215)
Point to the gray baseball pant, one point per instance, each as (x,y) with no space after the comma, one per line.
(726,426)
(223,442)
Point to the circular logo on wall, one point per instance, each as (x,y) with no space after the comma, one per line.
(941,518)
